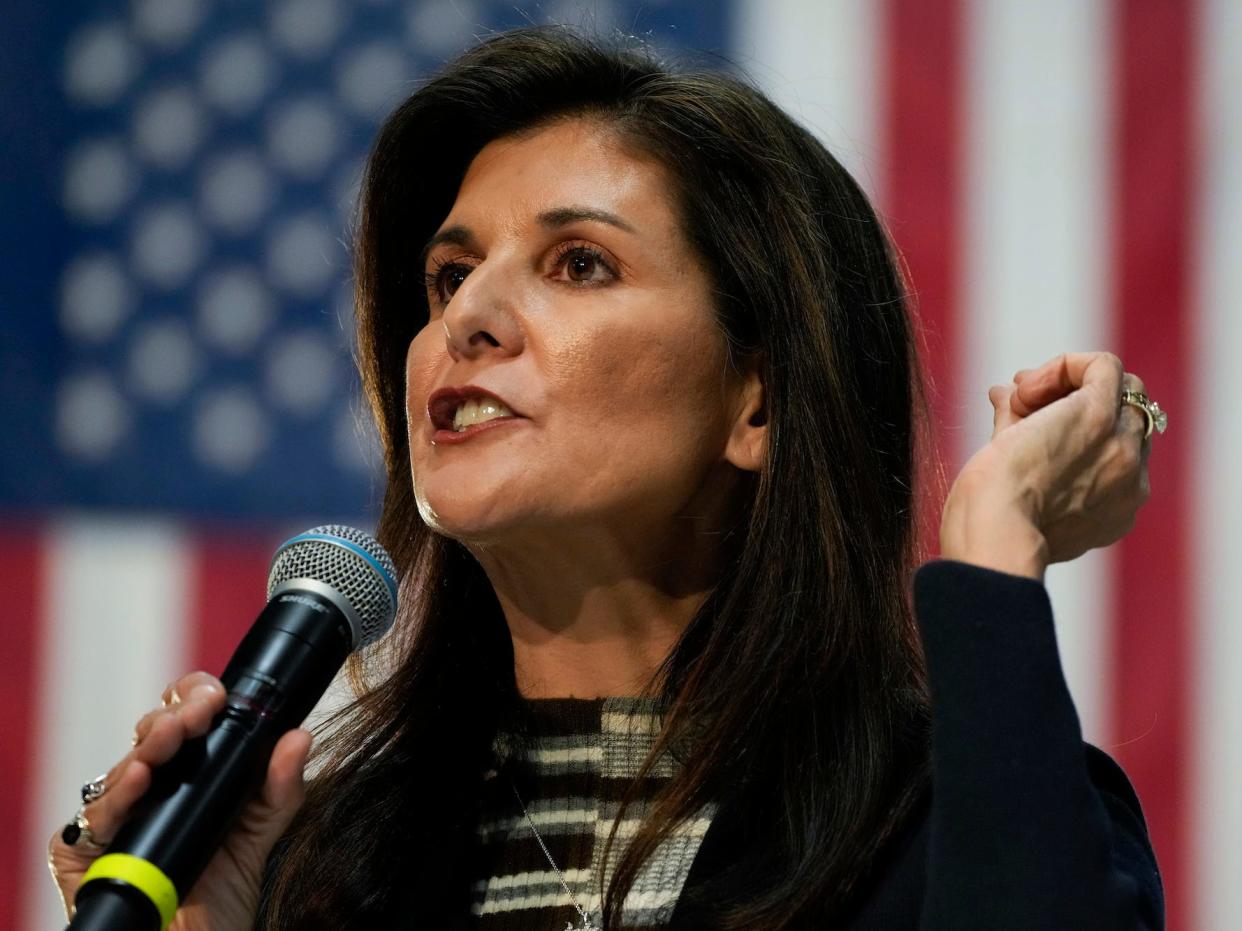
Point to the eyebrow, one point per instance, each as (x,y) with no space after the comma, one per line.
(456,235)
(549,219)
(563,216)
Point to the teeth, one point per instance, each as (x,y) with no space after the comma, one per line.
(477,411)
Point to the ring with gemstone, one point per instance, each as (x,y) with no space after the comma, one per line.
(1156,418)
(78,832)
(94,789)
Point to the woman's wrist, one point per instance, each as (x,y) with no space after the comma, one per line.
(995,534)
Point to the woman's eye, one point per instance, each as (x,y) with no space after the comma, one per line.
(445,279)
(583,265)
(453,278)
(580,267)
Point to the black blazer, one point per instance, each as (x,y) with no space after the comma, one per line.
(1026,827)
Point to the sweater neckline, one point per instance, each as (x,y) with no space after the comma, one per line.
(538,721)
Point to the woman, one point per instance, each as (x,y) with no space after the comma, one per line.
(640,356)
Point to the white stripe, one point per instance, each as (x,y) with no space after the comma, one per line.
(626,829)
(1216,854)
(1035,249)
(817,60)
(575,879)
(558,898)
(533,878)
(115,621)
(636,901)
(647,901)
(650,900)
(643,724)
(561,757)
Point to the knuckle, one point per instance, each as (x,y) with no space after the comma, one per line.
(153,715)
(155,722)
(1128,457)
(147,721)
(142,730)
(170,721)
(1099,418)
(117,772)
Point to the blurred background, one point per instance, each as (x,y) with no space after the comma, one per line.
(177,392)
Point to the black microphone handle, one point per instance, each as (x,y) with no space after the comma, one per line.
(276,676)
(124,907)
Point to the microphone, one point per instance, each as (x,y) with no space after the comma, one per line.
(330,590)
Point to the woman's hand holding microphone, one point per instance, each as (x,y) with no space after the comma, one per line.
(190,815)
(226,896)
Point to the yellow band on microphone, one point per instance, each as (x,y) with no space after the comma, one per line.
(144,876)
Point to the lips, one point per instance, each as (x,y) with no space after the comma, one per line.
(443,403)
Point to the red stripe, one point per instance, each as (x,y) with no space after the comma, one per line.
(1153,194)
(21,580)
(229,590)
(921,191)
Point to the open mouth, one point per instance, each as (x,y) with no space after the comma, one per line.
(457,410)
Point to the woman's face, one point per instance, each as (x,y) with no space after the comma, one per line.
(561,283)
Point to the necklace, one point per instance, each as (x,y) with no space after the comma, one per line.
(587,924)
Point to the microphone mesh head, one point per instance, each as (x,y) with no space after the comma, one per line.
(349,562)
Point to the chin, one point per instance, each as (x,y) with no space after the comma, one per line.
(467,520)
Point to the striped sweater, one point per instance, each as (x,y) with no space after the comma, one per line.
(570,763)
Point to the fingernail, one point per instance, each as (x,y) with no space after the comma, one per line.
(203,692)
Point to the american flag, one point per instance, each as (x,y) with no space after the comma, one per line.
(177,394)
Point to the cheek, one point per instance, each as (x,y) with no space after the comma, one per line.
(653,387)
(421,363)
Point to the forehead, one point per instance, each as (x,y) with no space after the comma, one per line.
(574,161)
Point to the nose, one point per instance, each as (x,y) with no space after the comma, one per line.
(480,320)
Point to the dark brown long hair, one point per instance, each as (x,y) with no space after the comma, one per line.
(800,677)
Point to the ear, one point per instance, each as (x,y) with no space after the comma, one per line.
(748,438)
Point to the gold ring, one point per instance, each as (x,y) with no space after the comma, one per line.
(1156,418)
